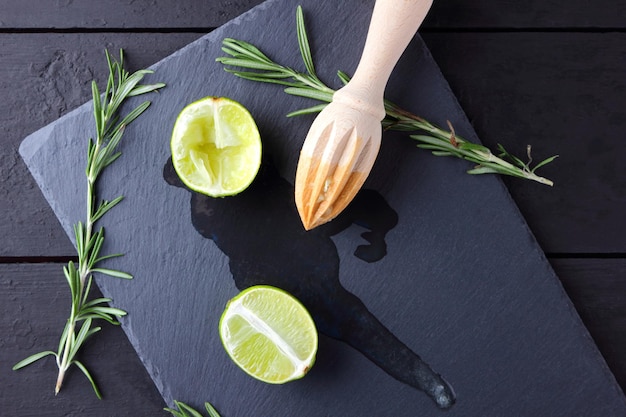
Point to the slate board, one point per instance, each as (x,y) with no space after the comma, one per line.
(463,283)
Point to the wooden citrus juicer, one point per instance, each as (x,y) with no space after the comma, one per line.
(343,141)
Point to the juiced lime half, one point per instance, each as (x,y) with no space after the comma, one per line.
(216,147)
(269,334)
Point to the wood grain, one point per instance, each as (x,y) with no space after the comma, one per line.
(36,300)
(511,14)
(172,14)
(46,76)
(126,14)
(597,288)
(550,73)
(562,93)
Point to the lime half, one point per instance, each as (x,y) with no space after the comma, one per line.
(216,147)
(269,334)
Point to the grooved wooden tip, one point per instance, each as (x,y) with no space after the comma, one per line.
(333,166)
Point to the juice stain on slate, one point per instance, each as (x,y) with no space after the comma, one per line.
(262,235)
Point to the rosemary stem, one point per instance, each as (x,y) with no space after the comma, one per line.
(84,272)
(85,245)
(66,352)
(411,122)
(90,208)
(248,62)
(101,153)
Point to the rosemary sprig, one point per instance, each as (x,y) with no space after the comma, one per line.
(100,154)
(258,67)
(186,411)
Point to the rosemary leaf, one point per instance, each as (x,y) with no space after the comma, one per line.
(102,312)
(70,274)
(309,93)
(85,331)
(307,84)
(95,244)
(309,110)
(185,410)
(105,206)
(103,258)
(86,291)
(63,341)
(109,149)
(134,114)
(101,153)
(113,273)
(253,76)
(469,146)
(211,410)
(111,158)
(436,143)
(92,315)
(441,153)
(245,49)
(97,106)
(79,233)
(246,63)
(110,311)
(89,377)
(482,170)
(95,302)
(303,42)
(32,358)
(145,89)
(125,89)
(544,162)
(276,75)
(188,410)
(343,77)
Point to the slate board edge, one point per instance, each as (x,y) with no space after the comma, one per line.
(32,143)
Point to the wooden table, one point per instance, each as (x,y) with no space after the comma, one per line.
(547,73)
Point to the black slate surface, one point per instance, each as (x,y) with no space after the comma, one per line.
(464,283)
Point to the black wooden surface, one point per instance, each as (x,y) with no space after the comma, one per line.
(552,74)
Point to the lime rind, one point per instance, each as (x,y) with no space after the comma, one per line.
(216,147)
(269,334)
